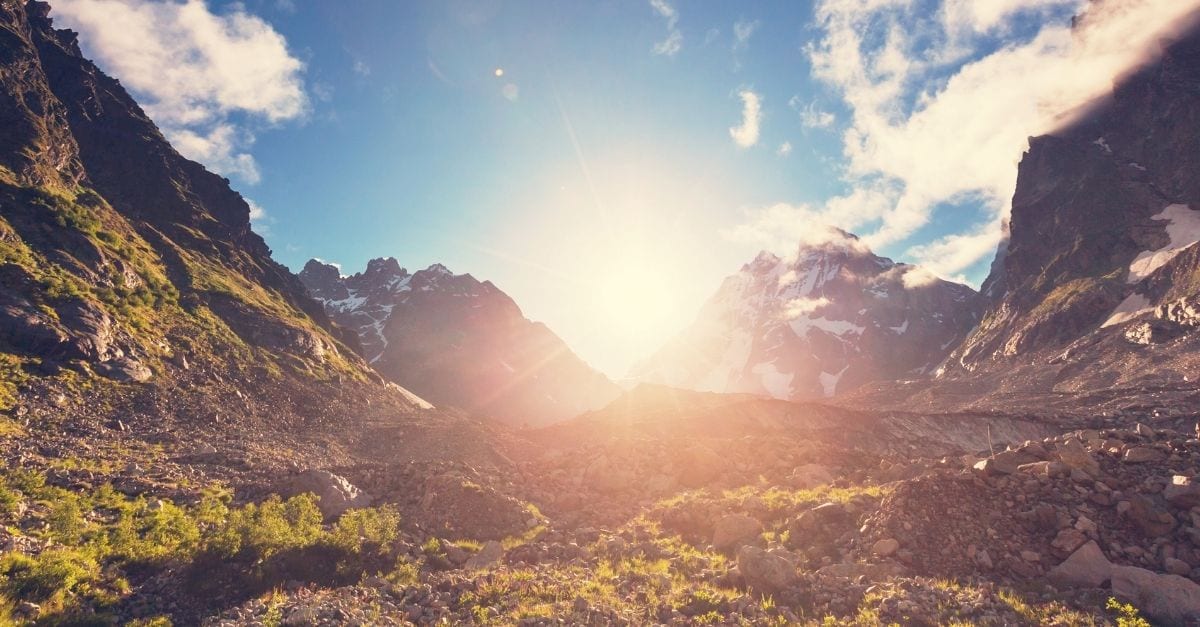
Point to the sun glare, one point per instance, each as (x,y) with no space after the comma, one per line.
(633,297)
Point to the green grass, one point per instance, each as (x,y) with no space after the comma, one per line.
(98,537)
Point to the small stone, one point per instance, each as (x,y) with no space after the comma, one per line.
(1031,556)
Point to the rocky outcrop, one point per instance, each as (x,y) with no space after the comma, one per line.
(1097,286)
(457,341)
(335,494)
(826,320)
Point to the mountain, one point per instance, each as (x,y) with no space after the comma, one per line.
(133,290)
(825,321)
(1098,288)
(458,341)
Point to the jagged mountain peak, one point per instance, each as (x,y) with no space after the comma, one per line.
(459,341)
(828,319)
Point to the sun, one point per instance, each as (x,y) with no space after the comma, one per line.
(633,296)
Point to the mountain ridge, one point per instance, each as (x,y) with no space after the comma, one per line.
(455,340)
(831,317)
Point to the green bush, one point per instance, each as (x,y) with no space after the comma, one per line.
(50,575)
(363,530)
(269,527)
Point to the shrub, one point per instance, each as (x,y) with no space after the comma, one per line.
(50,575)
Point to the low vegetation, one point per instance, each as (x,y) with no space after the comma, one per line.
(95,546)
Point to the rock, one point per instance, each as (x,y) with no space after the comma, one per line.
(765,571)
(1184,492)
(125,370)
(1085,568)
(336,493)
(1075,455)
(734,530)
(1031,556)
(490,554)
(1005,462)
(1143,430)
(984,560)
(1047,469)
(1143,454)
(1177,567)
(810,476)
(1067,541)
(455,554)
(885,547)
(1170,599)
(871,572)
(1149,518)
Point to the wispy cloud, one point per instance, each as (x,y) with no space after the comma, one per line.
(194,71)
(784,149)
(810,115)
(674,41)
(260,221)
(936,117)
(746,134)
(742,31)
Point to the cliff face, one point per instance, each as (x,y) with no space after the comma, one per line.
(1101,264)
(826,321)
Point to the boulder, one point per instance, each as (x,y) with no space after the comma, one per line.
(1075,455)
(765,571)
(1184,492)
(1151,520)
(1067,541)
(810,476)
(336,494)
(885,547)
(700,465)
(734,530)
(1169,599)
(125,370)
(1085,568)
(1143,454)
(490,554)
(1005,462)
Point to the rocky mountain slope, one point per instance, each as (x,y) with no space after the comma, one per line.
(1101,265)
(826,321)
(458,341)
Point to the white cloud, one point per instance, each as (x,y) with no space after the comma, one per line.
(192,70)
(803,306)
(780,226)
(810,115)
(361,68)
(742,31)
(260,221)
(784,149)
(674,41)
(219,149)
(939,117)
(746,134)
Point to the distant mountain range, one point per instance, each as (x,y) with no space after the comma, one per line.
(825,320)
(458,341)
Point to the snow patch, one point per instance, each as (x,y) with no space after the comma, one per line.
(776,383)
(1103,145)
(829,381)
(801,326)
(900,330)
(1183,229)
(1133,306)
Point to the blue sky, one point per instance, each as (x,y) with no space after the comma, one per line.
(608,163)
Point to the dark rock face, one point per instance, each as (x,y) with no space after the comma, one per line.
(833,318)
(457,341)
(1101,274)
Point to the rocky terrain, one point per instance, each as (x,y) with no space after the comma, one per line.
(460,342)
(187,438)
(823,322)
